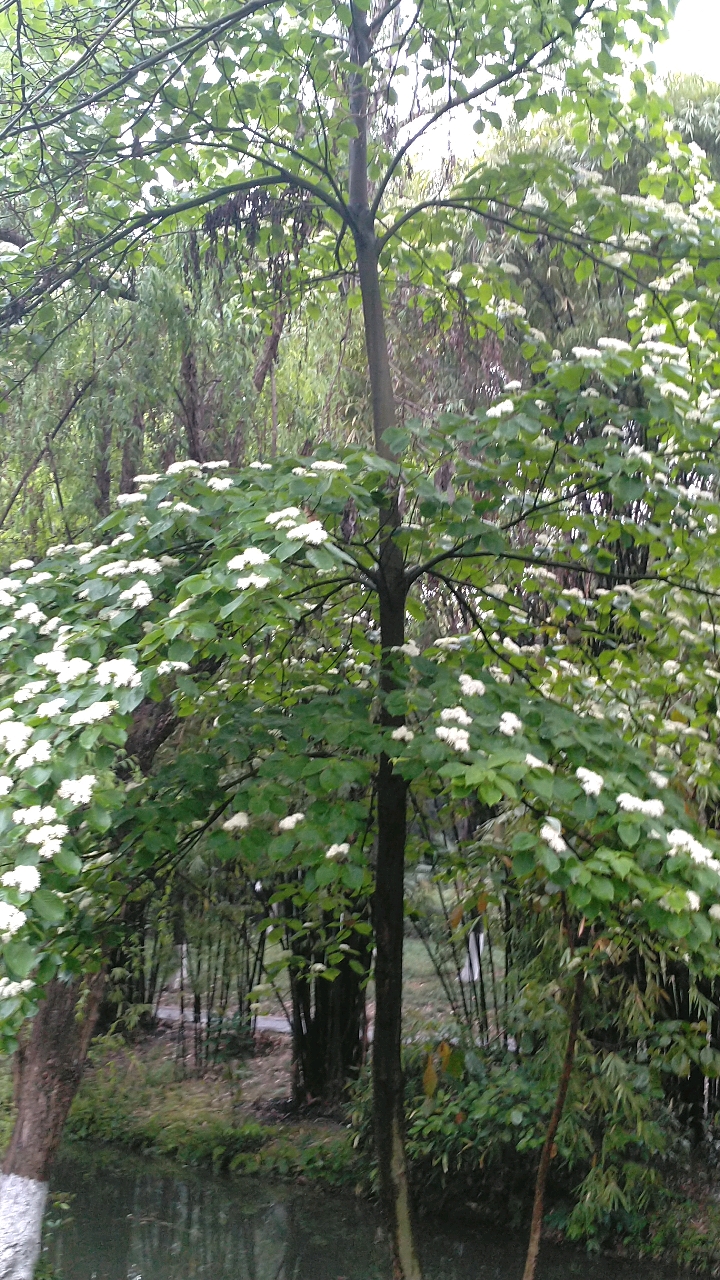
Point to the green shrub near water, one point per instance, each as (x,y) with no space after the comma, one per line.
(141,1106)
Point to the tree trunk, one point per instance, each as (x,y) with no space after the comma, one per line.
(547,1150)
(389,898)
(48,1068)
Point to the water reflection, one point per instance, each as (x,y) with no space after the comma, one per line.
(134,1220)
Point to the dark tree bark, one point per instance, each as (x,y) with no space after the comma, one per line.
(102,470)
(329,1029)
(389,898)
(132,453)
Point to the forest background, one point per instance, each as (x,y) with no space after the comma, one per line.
(465,443)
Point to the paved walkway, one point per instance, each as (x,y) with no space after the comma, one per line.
(171,1013)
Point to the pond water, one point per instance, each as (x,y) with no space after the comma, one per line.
(132,1219)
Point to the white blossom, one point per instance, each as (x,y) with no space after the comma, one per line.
(714,912)
(213,466)
(8,988)
(329,466)
(78,790)
(402,734)
(90,555)
(6,785)
(219,483)
(312,532)
(287,513)
(177,468)
(683,842)
(30,690)
(66,669)
(338,852)
(10,920)
(25,879)
(251,580)
(21,564)
(633,804)
(152,478)
(186,508)
(29,612)
(261,466)
(410,649)
(139,594)
(693,900)
(36,579)
(253,556)
(591,783)
(182,607)
(14,736)
(471,687)
(34,815)
(146,565)
(119,672)
(50,709)
(290,822)
(534,763)
(455,715)
(130,499)
(38,753)
(510,724)
(238,822)
(43,836)
(550,833)
(165,668)
(499,410)
(121,538)
(7,632)
(114,569)
(458,739)
(94,713)
(658,779)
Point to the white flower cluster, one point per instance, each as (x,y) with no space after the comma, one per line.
(168,666)
(188,465)
(534,763)
(290,822)
(312,533)
(252,580)
(94,713)
(35,814)
(78,790)
(260,466)
(130,499)
(458,739)
(329,466)
(30,690)
(284,519)
(37,753)
(50,709)
(402,734)
(121,673)
(471,687)
(219,483)
(9,989)
(10,920)
(48,838)
(683,842)
(239,822)
(24,879)
(550,832)
(501,410)
(633,804)
(456,715)
(591,783)
(138,595)
(253,556)
(338,852)
(510,724)
(57,662)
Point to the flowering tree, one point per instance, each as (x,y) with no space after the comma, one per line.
(219,595)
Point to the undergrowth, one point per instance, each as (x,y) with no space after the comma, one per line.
(141,1106)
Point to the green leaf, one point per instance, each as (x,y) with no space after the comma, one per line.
(19,960)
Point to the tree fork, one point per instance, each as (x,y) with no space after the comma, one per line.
(547,1150)
(48,1068)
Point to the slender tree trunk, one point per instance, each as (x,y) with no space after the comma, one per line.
(547,1150)
(389,898)
(48,1068)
